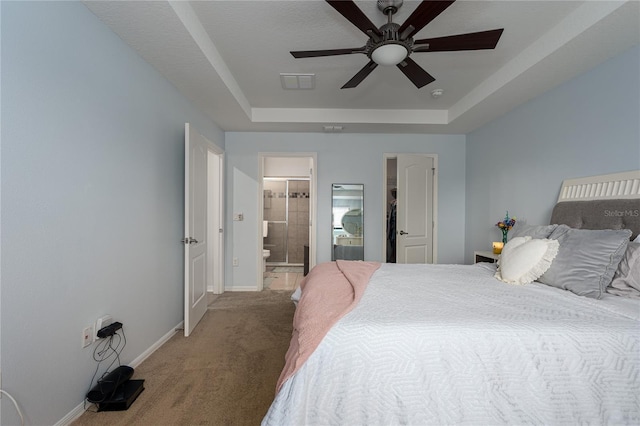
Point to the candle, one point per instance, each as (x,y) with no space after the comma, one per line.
(497,247)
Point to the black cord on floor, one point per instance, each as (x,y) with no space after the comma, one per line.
(103,351)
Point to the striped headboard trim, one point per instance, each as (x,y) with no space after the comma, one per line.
(624,185)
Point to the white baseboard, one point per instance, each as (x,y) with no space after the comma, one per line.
(241,288)
(80,409)
(144,355)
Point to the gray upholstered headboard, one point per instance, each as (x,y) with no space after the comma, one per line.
(600,202)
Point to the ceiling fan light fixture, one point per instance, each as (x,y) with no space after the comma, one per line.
(389,54)
(393,44)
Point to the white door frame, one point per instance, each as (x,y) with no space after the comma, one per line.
(313,189)
(387,156)
(215,221)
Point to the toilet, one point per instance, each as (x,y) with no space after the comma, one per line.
(265,253)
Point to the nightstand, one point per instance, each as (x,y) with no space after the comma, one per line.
(485,256)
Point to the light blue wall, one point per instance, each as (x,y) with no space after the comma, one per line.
(587,126)
(92,195)
(342,158)
(92,188)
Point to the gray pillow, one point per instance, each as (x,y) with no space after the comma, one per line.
(539,232)
(587,259)
(626,281)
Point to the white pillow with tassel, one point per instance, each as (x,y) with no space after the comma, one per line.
(524,259)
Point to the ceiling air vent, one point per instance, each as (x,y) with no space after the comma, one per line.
(298,81)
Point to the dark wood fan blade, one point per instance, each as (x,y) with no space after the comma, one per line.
(349,10)
(362,74)
(328,52)
(426,12)
(415,73)
(471,41)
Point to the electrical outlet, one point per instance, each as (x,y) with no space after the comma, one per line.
(101,322)
(236,262)
(87,336)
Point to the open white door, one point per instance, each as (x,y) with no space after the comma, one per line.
(195,228)
(414,239)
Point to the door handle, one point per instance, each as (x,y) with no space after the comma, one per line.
(404,233)
(189,240)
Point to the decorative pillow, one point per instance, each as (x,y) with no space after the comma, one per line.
(533,231)
(587,259)
(626,281)
(637,240)
(525,259)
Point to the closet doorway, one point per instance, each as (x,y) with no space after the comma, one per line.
(287,220)
(410,208)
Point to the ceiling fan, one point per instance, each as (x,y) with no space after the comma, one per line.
(392,43)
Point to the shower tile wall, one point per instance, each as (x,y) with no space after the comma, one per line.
(288,228)
(298,219)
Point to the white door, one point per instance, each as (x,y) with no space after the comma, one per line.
(195,228)
(414,220)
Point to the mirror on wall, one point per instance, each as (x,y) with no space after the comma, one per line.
(347,221)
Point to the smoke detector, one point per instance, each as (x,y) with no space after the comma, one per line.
(436,93)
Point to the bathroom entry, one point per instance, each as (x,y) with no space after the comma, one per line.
(287,220)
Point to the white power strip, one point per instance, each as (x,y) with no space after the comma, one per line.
(101,322)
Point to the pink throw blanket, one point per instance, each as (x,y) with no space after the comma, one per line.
(329,292)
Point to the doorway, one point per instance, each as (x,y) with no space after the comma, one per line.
(287,206)
(285,241)
(410,208)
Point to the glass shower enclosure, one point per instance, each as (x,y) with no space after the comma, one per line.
(286,212)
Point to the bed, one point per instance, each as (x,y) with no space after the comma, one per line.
(456,344)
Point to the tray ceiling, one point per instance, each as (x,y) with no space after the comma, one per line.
(227,57)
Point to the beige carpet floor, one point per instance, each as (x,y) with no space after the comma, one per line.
(223,374)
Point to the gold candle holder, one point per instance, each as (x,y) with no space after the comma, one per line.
(497,247)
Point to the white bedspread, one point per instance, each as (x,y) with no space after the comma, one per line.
(450,344)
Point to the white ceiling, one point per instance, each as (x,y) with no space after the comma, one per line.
(226,56)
